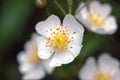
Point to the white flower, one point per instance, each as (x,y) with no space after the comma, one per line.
(96,17)
(61,41)
(106,68)
(31,66)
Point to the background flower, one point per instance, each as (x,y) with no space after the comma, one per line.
(31,66)
(96,17)
(106,68)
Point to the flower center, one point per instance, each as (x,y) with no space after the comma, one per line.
(60,38)
(33,57)
(60,41)
(96,19)
(102,76)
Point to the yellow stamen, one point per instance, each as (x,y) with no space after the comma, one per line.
(96,19)
(33,57)
(102,76)
(59,41)
(60,38)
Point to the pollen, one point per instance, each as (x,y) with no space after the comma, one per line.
(60,38)
(96,19)
(102,76)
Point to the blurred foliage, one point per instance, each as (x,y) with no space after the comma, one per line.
(17,22)
(13,16)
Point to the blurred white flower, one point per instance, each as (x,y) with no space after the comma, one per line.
(31,66)
(61,41)
(96,17)
(106,68)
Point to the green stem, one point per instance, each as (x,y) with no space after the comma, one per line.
(70,2)
(60,7)
(86,3)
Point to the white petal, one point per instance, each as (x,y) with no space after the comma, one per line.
(117,75)
(41,27)
(21,57)
(83,16)
(110,25)
(94,6)
(88,70)
(108,63)
(85,22)
(97,7)
(46,66)
(83,13)
(35,74)
(61,58)
(76,44)
(25,67)
(105,10)
(75,50)
(98,30)
(43,51)
(72,24)
(67,57)
(56,61)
